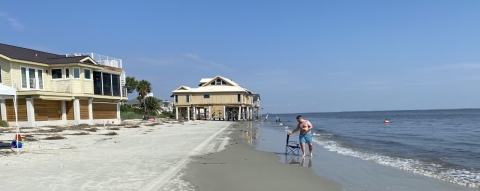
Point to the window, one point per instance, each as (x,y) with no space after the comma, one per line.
(24,77)
(115,85)
(67,73)
(206,96)
(0,74)
(176,98)
(188,98)
(87,74)
(97,83)
(40,78)
(239,98)
(76,73)
(32,78)
(56,73)
(107,84)
(218,81)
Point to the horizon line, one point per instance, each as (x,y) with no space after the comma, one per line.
(374,111)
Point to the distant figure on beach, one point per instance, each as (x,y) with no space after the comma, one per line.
(305,136)
(386,121)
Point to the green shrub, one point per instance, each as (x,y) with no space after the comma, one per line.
(4,123)
(130,115)
(164,115)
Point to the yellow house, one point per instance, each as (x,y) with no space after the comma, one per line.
(55,89)
(215,98)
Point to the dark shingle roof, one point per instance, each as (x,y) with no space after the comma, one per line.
(20,53)
(73,59)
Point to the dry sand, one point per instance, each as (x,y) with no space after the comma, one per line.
(139,158)
(241,167)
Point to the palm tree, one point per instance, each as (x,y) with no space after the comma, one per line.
(152,104)
(143,88)
(131,84)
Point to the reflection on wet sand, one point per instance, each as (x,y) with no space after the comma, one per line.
(251,133)
(295,160)
(309,162)
(292,159)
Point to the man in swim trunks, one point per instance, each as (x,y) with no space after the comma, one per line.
(305,136)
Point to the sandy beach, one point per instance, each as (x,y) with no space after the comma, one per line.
(147,156)
(140,157)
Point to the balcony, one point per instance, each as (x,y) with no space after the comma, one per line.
(32,84)
(62,86)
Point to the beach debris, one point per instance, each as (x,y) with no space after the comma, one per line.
(50,130)
(153,124)
(81,133)
(29,138)
(111,133)
(93,129)
(114,128)
(132,126)
(54,137)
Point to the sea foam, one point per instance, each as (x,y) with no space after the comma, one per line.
(469,178)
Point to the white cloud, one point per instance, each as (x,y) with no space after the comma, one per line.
(13,22)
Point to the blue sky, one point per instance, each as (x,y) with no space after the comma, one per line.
(301,56)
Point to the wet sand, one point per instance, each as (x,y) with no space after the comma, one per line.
(241,167)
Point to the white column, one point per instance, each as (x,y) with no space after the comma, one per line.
(194,113)
(3,109)
(248,113)
(244,114)
(209,117)
(224,111)
(76,111)
(176,112)
(188,113)
(251,113)
(118,111)
(90,110)
(30,112)
(64,111)
(239,112)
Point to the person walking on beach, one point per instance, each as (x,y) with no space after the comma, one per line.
(305,136)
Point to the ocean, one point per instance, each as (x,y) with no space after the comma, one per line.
(442,144)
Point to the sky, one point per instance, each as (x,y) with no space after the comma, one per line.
(300,56)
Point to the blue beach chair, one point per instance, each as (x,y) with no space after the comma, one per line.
(292,147)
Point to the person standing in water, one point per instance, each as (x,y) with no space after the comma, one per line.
(305,136)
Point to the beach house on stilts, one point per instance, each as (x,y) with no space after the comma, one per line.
(67,89)
(217,98)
